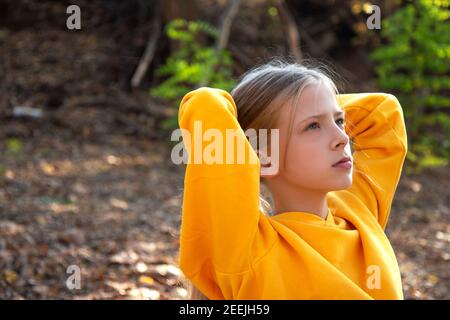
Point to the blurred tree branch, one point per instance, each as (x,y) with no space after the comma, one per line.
(292,33)
(149,52)
(224,32)
(227,21)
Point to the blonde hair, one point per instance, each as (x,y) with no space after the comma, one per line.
(259,95)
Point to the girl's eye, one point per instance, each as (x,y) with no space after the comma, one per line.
(314,123)
(341,119)
(310,126)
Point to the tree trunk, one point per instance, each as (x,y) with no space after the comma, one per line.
(176,9)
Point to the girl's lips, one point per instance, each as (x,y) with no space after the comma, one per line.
(345,165)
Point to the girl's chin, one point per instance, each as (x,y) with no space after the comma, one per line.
(342,185)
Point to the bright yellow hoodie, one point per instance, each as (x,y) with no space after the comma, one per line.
(231,250)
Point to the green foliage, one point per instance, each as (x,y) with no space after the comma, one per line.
(13,146)
(415,65)
(192,65)
(49,201)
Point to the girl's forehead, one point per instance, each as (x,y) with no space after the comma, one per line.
(315,96)
(314,99)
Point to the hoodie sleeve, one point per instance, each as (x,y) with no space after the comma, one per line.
(222,228)
(375,123)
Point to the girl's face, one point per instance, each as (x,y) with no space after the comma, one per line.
(316,143)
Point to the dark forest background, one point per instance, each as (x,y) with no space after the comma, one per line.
(86,115)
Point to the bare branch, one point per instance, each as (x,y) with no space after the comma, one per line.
(291,28)
(222,40)
(227,21)
(147,58)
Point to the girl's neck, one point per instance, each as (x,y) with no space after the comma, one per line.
(300,200)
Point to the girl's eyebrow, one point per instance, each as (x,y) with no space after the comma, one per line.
(337,113)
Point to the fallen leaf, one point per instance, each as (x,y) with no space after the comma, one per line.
(144,293)
(432,279)
(125,257)
(146,280)
(10,228)
(10,276)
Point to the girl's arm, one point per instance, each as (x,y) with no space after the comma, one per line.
(222,229)
(375,123)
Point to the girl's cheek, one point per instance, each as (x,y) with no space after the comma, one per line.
(307,148)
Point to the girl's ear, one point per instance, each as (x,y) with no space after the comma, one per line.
(269,167)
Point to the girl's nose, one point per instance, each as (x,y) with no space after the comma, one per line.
(342,139)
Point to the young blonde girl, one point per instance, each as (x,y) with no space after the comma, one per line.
(324,237)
